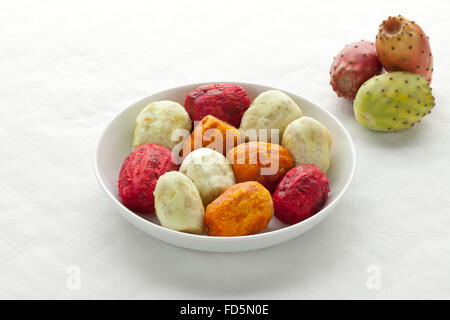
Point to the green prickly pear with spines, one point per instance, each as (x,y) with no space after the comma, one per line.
(393,101)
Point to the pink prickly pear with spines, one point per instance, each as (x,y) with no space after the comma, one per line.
(354,65)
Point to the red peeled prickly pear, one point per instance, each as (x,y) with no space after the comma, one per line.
(402,45)
(354,65)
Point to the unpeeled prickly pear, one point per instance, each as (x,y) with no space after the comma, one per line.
(353,65)
(393,101)
(402,45)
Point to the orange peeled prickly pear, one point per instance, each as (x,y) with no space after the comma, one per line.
(212,133)
(242,209)
(260,161)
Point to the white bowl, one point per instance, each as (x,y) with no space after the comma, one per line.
(115,145)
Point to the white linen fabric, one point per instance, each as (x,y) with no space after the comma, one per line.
(67,67)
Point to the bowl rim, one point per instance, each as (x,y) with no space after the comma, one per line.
(203,237)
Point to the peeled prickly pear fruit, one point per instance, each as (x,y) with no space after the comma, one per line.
(402,45)
(353,65)
(393,101)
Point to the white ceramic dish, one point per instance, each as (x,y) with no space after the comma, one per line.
(115,145)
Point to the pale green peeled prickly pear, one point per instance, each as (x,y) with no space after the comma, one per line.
(393,101)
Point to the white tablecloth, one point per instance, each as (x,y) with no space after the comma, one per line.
(66,67)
